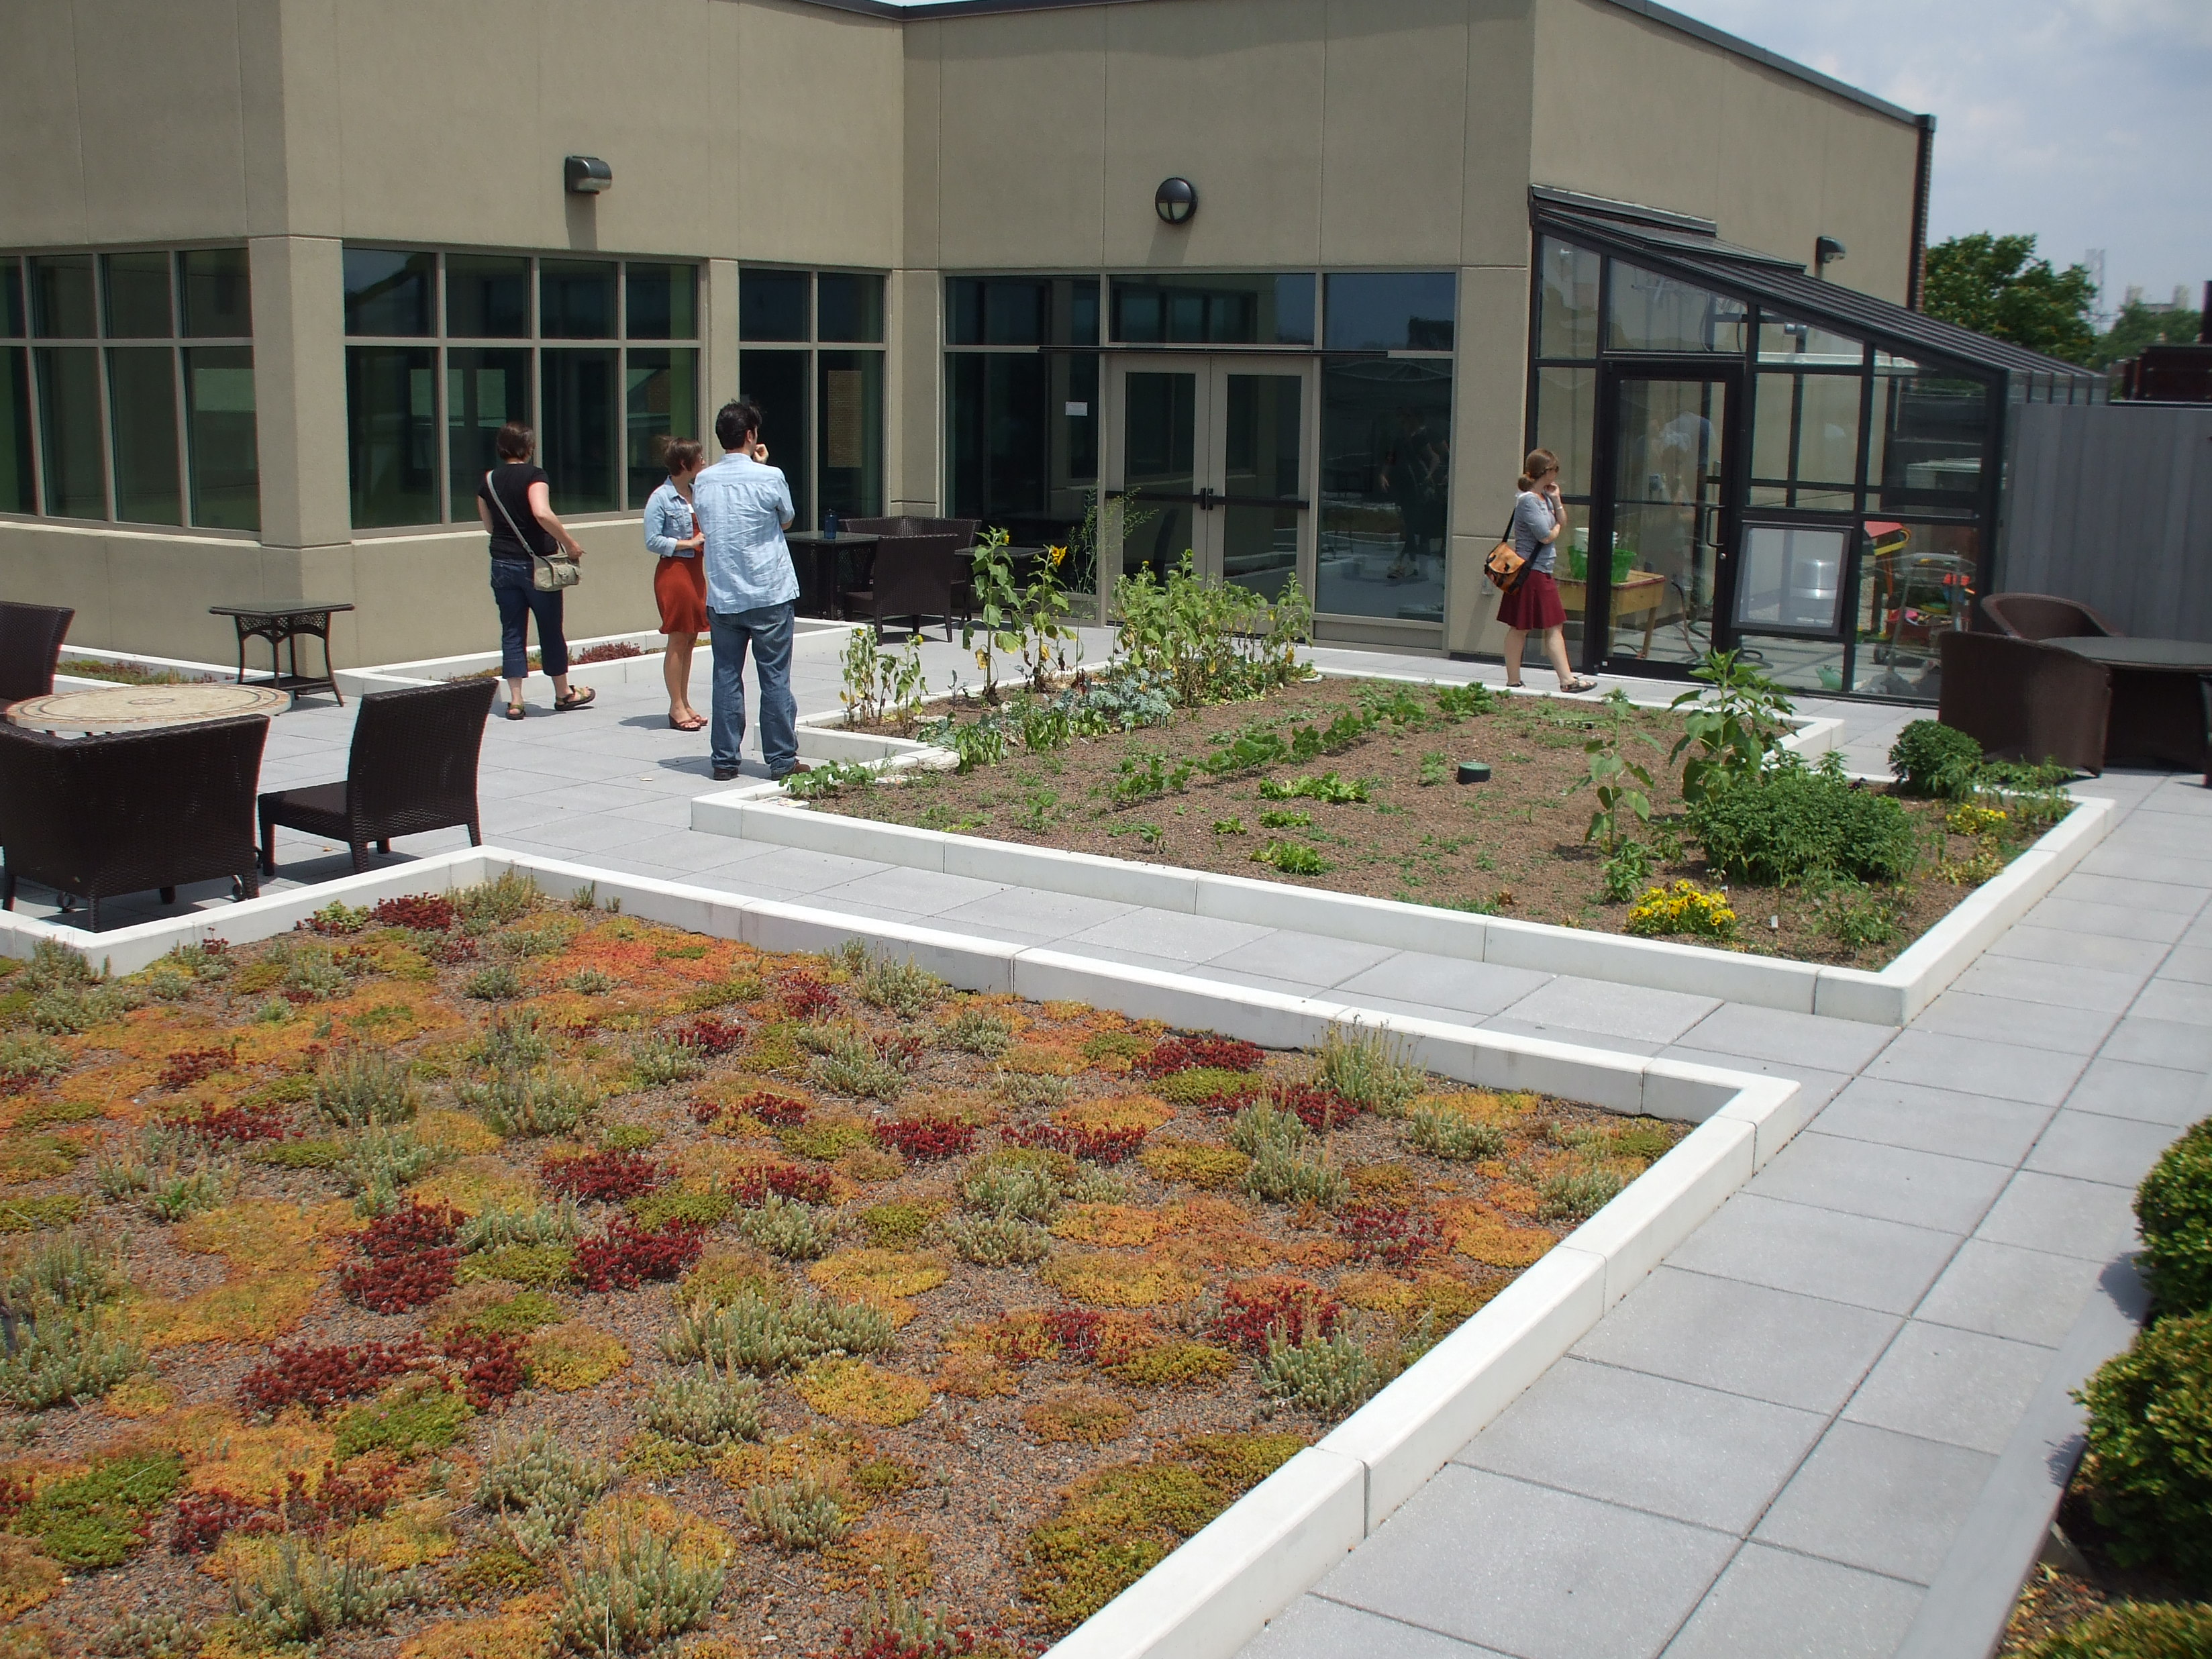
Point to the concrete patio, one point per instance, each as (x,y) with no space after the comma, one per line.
(1772,1445)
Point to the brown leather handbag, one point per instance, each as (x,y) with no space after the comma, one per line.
(1505,567)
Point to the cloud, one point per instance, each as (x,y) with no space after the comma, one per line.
(2083,121)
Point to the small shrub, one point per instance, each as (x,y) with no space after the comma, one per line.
(422,1414)
(304,1594)
(2131,1630)
(97,1519)
(603,1177)
(1453,1135)
(2173,1207)
(1577,1194)
(1931,758)
(979,1029)
(508,898)
(903,988)
(2150,1418)
(705,1406)
(497,983)
(1781,826)
(361,1088)
(997,1241)
(1856,916)
(790,1232)
(1325,1375)
(1685,907)
(626,1256)
(1364,1067)
(633,1594)
(796,1515)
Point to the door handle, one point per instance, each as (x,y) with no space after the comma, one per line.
(1206,499)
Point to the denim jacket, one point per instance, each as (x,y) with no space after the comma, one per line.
(668,520)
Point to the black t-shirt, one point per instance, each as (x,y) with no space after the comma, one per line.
(509,487)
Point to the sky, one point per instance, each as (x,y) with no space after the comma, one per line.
(2086,122)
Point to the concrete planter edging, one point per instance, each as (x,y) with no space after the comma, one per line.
(1891,996)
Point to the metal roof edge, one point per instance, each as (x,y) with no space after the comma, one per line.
(1605,207)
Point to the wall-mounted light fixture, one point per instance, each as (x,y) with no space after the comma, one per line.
(1826,250)
(1176,200)
(588,175)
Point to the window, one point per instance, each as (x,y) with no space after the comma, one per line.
(1215,309)
(1393,310)
(811,355)
(1385,487)
(462,343)
(1653,313)
(1021,387)
(131,398)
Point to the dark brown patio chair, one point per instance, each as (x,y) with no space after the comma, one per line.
(963,528)
(126,811)
(31,638)
(2026,702)
(413,769)
(2044,617)
(911,577)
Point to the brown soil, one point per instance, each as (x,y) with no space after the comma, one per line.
(2054,1599)
(984,1467)
(1512,846)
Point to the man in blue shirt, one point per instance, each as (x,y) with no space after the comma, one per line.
(743,506)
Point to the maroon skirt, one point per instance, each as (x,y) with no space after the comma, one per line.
(1533,606)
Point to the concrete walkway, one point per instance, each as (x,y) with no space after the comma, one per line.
(1769,1446)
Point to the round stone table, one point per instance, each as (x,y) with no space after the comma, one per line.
(142,707)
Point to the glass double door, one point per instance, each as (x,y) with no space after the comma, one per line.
(1655,561)
(1210,456)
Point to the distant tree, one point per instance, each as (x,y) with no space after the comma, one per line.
(1994,285)
(2138,326)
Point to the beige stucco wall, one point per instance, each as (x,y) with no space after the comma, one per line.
(1632,109)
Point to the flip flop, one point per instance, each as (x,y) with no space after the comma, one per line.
(575,699)
(687,726)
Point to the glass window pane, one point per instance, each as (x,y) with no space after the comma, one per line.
(1929,435)
(17,492)
(1828,429)
(1396,311)
(389,292)
(391,435)
(772,305)
(1772,412)
(661,401)
(1566,301)
(69,432)
(1225,309)
(1806,345)
(1566,417)
(219,422)
(576,299)
(61,297)
(662,303)
(1916,582)
(851,308)
(1075,310)
(1652,312)
(1789,579)
(487,298)
(137,295)
(142,403)
(1261,457)
(218,292)
(579,442)
(849,446)
(11,299)
(486,386)
(1386,463)
(776,383)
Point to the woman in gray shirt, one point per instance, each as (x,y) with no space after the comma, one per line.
(1539,518)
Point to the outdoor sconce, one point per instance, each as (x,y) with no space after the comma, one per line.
(1826,250)
(1174,201)
(588,175)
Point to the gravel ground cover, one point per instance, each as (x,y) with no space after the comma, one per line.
(497,1276)
(1377,811)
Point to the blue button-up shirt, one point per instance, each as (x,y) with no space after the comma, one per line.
(744,508)
(668,521)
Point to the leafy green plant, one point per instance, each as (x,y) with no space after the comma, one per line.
(862,665)
(904,988)
(1324,1375)
(2147,1475)
(497,983)
(789,1230)
(998,608)
(796,1515)
(72,1349)
(751,1334)
(1327,787)
(977,1028)
(1368,1069)
(355,1088)
(1287,820)
(853,1062)
(2131,1630)
(1684,907)
(1292,858)
(654,1062)
(517,1104)
(2173,1207)
(1931,758)
(1623,788)
(1453,1135)
(1280,1176)
(996,1241)
(705,1405)
(1734,727)
(1579,1193)
(1628,868)
(828,778)
(1790,822)
(1208,641)
(97,1519)
(30,1059)
(1436,768)
(1457,703)
(1856,916)
(508,896)
(633,1594)
(378,1162)
(540,1488)
(1045,634)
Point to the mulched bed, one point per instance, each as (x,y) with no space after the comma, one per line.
(1025,1441)
(1512,847)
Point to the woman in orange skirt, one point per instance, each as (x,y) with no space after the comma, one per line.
(679,579)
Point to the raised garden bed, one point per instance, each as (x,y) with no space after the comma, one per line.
(989,1286)
(1377,810)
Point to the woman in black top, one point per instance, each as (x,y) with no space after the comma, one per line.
(515,500)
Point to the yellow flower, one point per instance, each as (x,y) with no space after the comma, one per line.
(984,659)
(1058,554)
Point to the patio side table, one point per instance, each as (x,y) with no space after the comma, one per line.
(284,625)
(822,567)
(2160,714)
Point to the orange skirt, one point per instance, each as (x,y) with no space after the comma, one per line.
(680,585)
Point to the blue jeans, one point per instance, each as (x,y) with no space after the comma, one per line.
(767,632)
(518,602)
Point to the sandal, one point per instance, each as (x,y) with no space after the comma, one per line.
(1515,685)
(699,725)
(514,711)
(575,699)
(1578,684)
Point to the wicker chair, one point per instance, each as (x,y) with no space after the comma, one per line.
(2044,617)
(31,638)
(413,769)
(126,811)
(2026,702)
(963,528)
(911,577)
